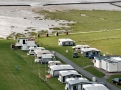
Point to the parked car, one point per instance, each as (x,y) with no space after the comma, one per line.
(117,81)
(91,56)
(75,55)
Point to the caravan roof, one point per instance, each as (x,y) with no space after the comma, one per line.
(42,52)
(77,81)
(47,55)
(70,72)
(89,49)
(65,39)
(94,87)
(61,67)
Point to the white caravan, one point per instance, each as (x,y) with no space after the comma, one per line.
(38,54)
(46,58)
(90,51)
(66,42)
(78,48)
(32,49)
(63,75)
(54,70)
(51,63)
(80,84)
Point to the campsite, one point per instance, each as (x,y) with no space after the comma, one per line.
(99,31)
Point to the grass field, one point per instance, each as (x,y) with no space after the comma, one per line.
(27,77)
(93,20)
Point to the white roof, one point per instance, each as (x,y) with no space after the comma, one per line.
(81,46)
(37,48)
(65,39)
(76,80)
(49,62)
(39,52)
(116,58)
(94,87)
(47,55)
(89,49)
(61,67)
(70,72)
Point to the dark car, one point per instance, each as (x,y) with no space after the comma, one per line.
(75,55)
(117,81)
(91,56)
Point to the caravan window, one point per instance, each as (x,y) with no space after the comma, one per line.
(87,54)
(75,87)
(39,57)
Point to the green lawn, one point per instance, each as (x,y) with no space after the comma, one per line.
(93,20)
(27,77)
(94,71)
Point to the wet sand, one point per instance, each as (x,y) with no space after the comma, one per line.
(22,17)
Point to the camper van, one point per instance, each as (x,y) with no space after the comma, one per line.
(51,63)
(78,48)
(63,75)
(54,70)
(32,49)
(82,84)
(24,40)
(66,42)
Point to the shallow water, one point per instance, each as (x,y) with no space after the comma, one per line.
(22,17)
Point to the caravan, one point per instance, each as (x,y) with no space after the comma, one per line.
(78,48)
(32,49)
(66,42)
(38,54)
(63,75)
(51,63)
(54,70)
(25,43)
(83,84)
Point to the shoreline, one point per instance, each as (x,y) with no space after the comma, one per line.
(22,17)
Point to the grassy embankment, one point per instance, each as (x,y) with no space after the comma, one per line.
(27,77)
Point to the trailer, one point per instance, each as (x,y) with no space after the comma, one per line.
(51,63)
(87,52)
(81,84)
(78,48)
(63,75)
(66,42)
(54,70)
(32,49)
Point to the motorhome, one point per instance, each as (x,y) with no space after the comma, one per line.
(54,70)
(81,84)
(63,75)
(23,41)
(32,49)
(66,42)
(51,63)
(78,48)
